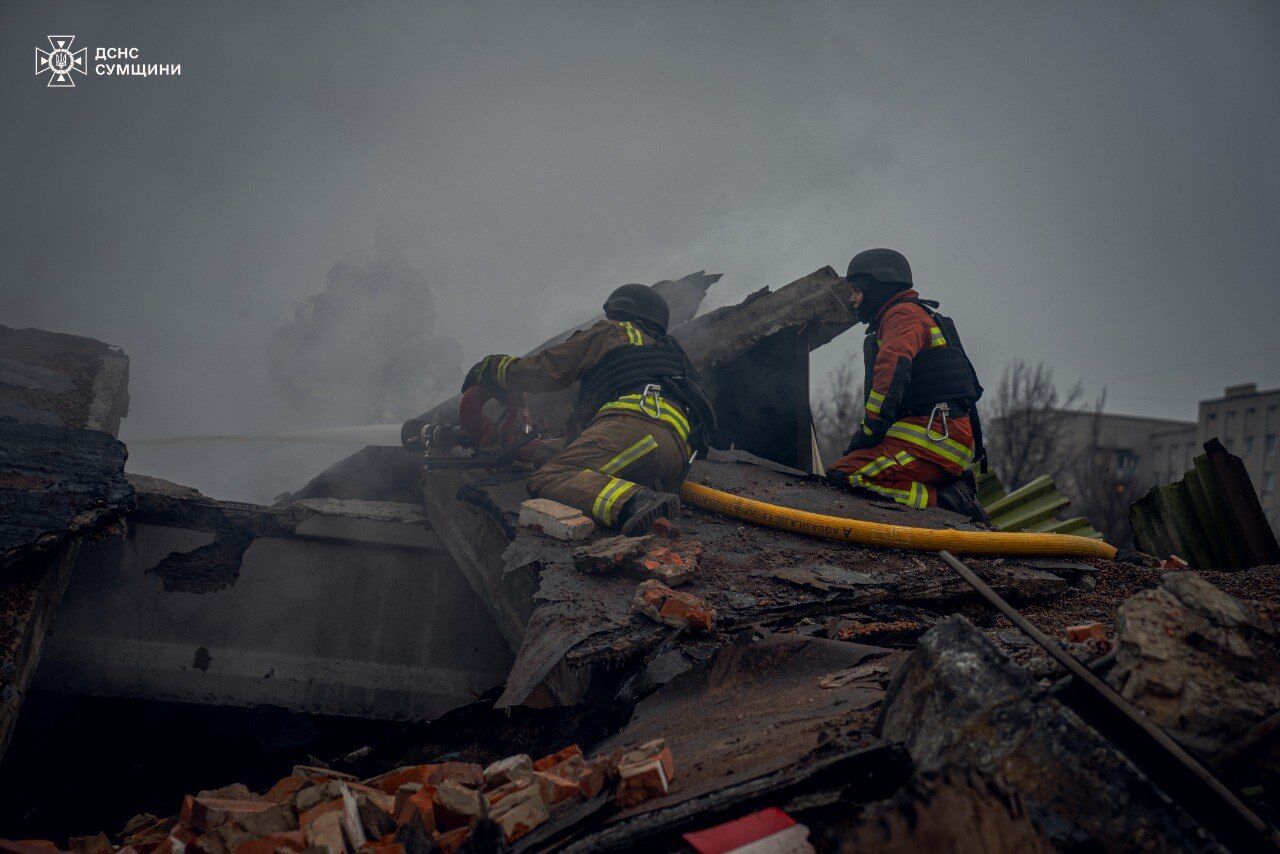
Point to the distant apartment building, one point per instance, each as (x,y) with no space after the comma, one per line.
(1143,450)
(1248,421)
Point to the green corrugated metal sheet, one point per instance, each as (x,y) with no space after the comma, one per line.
(1031,508)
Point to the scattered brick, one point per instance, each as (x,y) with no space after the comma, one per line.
(555,520)
(451,841)
(665,528)
(520,812)
(466,773)
(554,789)
(205,814)
(221,840)
(548,762)
(277,819)
(675,608)
(314,772)
(285,789)
(645,773)
(326,833)
(294,840)
(232,792)
(513,769)
(455,805)
(27,846)
(307,818)
(610,554)
(393,780)
(1086,632)
(672,564)
(99,844)
(1173,562)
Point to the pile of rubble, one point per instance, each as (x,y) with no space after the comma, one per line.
(407,810)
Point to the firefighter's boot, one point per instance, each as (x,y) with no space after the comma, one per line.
(644,508)
(959,497)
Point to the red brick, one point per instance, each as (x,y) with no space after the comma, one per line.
(665,528)
(326,832)
(639,783)
(546,763)
(555,789)
(285,788)
(99,844)
(466,773)
(295,840)
(518,768)
(205,814)
(422,803)
(312,772)
(450,841)
(309,817)
(392,780)
(27,846)
(520,812)
(455,805)
(1086,632)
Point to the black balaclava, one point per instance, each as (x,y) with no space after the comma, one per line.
(874,295)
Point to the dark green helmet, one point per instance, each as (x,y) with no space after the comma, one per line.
(638,302)
(882,265)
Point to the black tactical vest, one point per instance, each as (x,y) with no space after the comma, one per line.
(627,370)
(938,374)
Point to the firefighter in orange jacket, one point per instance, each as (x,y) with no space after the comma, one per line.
(920,433)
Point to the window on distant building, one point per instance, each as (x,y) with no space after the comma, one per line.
(1155,477)
(1248,444)
(1229,444)
(1269,482)
(1271,444)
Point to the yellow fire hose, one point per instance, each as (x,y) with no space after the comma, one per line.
(892,536)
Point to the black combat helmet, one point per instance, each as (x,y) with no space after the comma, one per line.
(882,265)
(638,302)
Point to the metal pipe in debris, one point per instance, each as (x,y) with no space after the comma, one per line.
(1248,830)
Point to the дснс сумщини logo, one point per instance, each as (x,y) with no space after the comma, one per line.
(61,60)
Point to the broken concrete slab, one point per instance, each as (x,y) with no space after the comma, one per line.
(1201,664)
(57,483)
(957,701)
(59,486)
(328,606)
(63,380)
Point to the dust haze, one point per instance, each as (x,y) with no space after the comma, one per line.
(1090,184)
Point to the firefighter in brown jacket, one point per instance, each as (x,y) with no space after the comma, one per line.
(920,433)
(644,411)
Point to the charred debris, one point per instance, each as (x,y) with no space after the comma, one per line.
(444,665)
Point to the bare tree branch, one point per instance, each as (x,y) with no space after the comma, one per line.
(1026,437)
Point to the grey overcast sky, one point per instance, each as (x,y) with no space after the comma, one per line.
(1095,184)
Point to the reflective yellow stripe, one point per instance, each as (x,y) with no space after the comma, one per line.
(873,407)
(916,496)
(630,455)
(668,412)
(502,370)
(875,397)
(633,334)
(604,508)
(902,496)
(947,448)
(865,428)
(876,466)
(902,458)
(936,338)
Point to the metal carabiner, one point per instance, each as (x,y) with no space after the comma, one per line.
(652,392)
(940,411)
